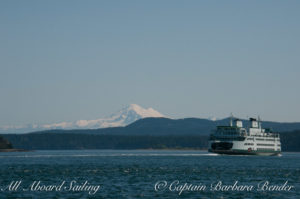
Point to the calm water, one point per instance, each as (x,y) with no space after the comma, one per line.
(145,174)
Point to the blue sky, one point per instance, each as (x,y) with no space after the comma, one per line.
(70,60)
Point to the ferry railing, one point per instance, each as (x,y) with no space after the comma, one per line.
(271,135)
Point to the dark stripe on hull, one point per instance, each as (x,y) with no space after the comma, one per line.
(245,152)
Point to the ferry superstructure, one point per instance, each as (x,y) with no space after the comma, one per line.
(235,139)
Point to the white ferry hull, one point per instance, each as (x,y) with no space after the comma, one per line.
(239,148)
(244,152)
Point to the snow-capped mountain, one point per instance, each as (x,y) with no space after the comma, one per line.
(123,117)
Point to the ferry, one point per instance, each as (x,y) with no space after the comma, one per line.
(237,140)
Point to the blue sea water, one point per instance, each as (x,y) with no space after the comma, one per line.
(147,174)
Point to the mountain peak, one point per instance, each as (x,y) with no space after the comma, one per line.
(134,106)
(142,112)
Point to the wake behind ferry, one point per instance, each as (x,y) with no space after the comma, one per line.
(237,140)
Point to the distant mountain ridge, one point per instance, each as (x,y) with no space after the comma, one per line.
(125,116)
(134,119)
(166,126)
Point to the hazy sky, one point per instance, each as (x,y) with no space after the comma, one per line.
(70,60)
